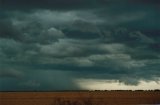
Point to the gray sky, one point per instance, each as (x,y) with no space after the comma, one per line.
(48,45)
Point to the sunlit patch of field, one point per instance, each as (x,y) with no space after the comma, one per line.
(81,98)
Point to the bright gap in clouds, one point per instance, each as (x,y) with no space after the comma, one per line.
(95,84)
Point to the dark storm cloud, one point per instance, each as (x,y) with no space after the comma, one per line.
(7,30)
(135,1)
(147,1)
(11,73)
(48,49)
(70,4)
(33,80)
(52,4)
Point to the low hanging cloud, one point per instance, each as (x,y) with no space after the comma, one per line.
(50,49)
(10,73)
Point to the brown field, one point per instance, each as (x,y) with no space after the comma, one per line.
(81,98)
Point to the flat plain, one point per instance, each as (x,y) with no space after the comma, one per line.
(81,98)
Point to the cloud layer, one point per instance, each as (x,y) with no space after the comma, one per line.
(45,48)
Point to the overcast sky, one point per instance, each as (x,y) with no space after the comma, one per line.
(48,45)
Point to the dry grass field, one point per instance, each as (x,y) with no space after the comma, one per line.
(81,98)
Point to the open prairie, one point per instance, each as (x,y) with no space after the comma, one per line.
(81,98)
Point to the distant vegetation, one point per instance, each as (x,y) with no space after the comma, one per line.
(84,101)
(102,90)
